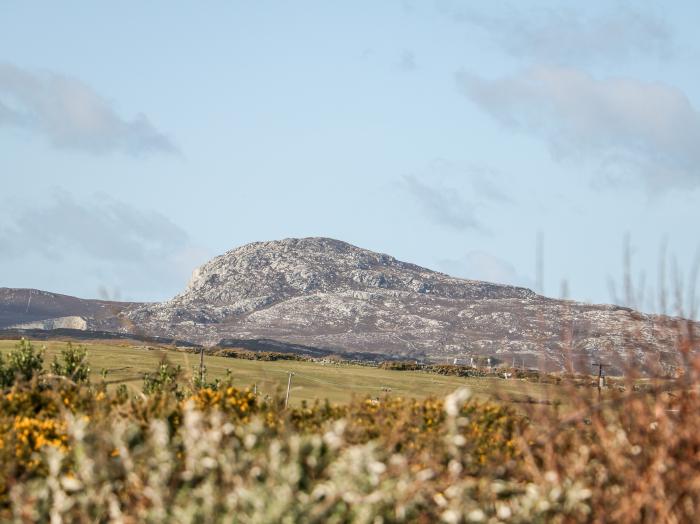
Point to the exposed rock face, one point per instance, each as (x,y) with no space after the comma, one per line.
(78,323)
(328,294)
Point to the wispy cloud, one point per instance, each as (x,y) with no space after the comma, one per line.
(407,61)
(486,184)
(9,116)
(70,114)
(104,229)
(445,206)
(624,127)
(102,241)
(480,265)
(568,36)
(451,195)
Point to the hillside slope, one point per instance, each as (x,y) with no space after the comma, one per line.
(32,308)
(328,294)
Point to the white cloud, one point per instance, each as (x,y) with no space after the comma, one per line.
(72,115)
(104,229)
(479,265)
(622,126)
(85,246)
(569,36)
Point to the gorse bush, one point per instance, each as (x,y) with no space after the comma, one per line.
(24,363)
(399,365)
(200,379)
(80,452)
(183,452)
(259,355)
(166,379)
(73,363)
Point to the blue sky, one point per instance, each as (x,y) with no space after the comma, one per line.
(138,140)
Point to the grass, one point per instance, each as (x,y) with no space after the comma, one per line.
(126,363)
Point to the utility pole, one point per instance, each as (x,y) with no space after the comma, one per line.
(201,367)
(601,377)
(289,387)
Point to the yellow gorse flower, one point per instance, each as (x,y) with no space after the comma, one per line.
(33,434)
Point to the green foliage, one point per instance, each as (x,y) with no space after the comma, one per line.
(166,379)
(122,394)
(400,365)
(338,381)
(73,364)
(268,356)
(22,364)
(200,380)
(5,379)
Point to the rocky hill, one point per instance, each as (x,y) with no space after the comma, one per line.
(327,294)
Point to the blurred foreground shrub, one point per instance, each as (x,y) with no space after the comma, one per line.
(73,451)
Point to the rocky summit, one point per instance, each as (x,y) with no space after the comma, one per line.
(326,296)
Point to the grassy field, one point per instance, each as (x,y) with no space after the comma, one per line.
(126,363)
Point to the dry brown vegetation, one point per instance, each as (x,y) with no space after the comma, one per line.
(204,452)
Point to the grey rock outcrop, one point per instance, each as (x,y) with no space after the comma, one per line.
(328,294)
(77,323)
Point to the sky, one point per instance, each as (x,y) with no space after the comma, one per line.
(138,140)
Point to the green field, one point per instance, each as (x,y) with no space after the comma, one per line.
(126,363)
